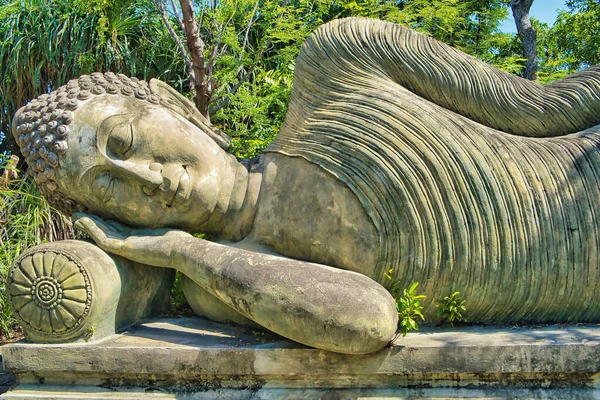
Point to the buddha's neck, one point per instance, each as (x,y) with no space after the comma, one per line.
(236,208)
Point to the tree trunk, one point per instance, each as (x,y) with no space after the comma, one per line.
(527,34)
(184,53)
(196,47)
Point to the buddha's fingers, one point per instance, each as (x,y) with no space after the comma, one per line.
(152,250)
(129,231)
(106,237)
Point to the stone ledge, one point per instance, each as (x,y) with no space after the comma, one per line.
(49,392)
(191,355)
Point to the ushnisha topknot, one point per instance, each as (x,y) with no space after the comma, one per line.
(42,126)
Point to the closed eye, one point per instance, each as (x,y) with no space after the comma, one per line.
(120,137)
(128,144)
(110,190)
(104,187)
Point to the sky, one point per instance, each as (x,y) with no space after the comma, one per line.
(542,10)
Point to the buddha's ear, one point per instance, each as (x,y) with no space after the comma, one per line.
(175,101)
(172,99)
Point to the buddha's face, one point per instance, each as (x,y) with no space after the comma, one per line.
(141,164)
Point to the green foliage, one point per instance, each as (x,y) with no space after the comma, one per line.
(44,43)
(256,43)
(8,324)
(253,44)
(178,305)
(471,26)
(255,114)
(262,39)
(451,309)
(255,71)
(177,298)
(409,309)
(408,304)
(505,53)
(554,63)
(566,47)
(575,34)
(26,220)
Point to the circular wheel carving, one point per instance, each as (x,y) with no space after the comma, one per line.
(49,291)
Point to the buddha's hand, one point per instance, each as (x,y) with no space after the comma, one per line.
(147,246)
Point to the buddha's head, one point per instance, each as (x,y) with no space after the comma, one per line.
(124,149)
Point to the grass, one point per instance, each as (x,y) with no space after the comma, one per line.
(26,220)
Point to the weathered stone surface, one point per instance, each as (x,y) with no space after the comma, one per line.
(73,290)
(7,380)
(192,357)
(477,180)
(399,156)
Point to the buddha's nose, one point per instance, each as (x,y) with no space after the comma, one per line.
(148,175)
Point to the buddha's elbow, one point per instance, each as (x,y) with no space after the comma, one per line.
(368,325)
(375,327)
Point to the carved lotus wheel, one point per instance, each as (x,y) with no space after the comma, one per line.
(49,292)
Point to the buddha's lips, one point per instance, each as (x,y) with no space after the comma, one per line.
(182,191)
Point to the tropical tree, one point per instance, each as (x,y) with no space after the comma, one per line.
(575,34)
(78,37)
(527,35)
(554,63)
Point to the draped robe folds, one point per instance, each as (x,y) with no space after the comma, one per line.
(476,180)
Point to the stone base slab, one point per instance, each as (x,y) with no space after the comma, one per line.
(25,392)
(195,359)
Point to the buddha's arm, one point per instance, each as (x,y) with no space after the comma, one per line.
(310,303)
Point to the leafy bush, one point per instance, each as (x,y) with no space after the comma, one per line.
(178,305)
(451,308)
(78,37)
(26,220)
(408,305)
(409,309)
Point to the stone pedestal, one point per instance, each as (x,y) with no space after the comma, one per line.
(196,359)
(71,290)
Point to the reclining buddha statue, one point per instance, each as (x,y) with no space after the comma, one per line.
(400,160)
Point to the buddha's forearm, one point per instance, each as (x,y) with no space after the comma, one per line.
(313,304)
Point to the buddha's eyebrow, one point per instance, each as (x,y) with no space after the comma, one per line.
(107,126)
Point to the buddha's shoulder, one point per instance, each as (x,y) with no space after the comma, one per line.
(306,212)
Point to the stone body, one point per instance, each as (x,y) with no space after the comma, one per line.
(398,154)
(476,180)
